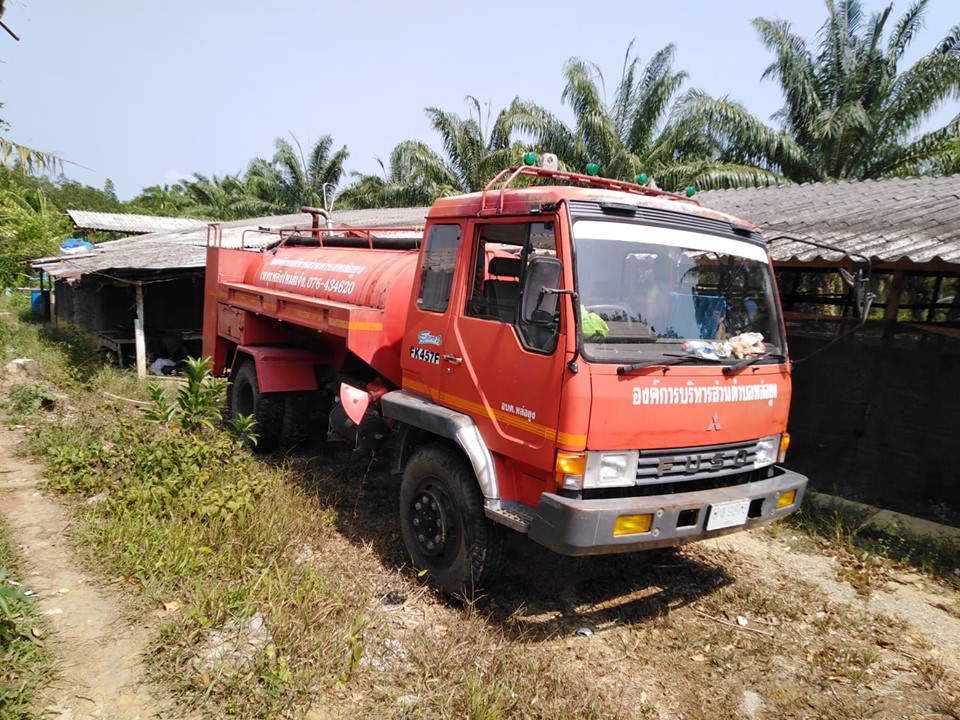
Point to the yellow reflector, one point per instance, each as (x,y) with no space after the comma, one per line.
(786,499)
(784,446)
(633,524)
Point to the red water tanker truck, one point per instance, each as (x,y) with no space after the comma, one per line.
(595,363)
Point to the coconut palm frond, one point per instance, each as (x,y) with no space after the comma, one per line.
(32,161)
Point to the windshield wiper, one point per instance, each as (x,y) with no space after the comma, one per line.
(675,360)
(747,361)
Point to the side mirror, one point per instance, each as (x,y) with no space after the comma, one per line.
(539,304)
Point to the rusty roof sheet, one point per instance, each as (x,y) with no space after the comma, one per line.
(186,249)
(129,222)
(916,219)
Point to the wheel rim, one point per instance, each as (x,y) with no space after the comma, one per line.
(435,523)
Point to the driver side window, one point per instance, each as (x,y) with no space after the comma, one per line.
(501,255)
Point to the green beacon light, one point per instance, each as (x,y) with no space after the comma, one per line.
(530,158)
(592,169)
(642,179)
(691,191)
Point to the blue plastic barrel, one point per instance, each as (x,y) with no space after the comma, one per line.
(36,302)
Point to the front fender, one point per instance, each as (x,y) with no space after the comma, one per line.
(413,410)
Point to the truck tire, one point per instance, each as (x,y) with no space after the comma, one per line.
(463,548)
(245,398)
(304,421)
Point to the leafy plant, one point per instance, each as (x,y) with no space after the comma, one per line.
(244,427)
(163,411)
(29,399)
(851,111)
(9,598)
(198,403)
(145,472)
(198,399)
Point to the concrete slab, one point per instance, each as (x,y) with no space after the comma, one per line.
(885,519)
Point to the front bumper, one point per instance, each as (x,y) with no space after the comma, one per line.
(585,527)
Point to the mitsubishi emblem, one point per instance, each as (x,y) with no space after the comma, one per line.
(714,423)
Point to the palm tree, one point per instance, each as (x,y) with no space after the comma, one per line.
(651,126)
(291,180)
(847,106)
(30,160)
(29,228)
(223,198)
(474,150)
(161,199)
(400,186)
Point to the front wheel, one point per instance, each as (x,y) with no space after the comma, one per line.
(449,538)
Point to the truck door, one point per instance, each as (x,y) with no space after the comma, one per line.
(424,342)
(505,373)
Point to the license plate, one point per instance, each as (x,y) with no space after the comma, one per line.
(728,514)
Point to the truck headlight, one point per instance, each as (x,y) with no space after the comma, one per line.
(611,469)
(767,450)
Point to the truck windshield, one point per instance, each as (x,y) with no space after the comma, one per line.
(648,293)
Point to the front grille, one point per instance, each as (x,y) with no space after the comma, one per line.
(692,469)
(688,464)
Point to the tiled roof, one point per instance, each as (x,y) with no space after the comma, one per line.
(889,220)
(186,249)
(129,222)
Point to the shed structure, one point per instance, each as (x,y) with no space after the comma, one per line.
(155,281)
(874,416)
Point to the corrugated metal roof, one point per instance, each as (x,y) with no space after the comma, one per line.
(889,220)
(917,219)
(129,222)
(186,249)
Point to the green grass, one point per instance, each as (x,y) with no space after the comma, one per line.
(268,609)
(847,528)
(25,664)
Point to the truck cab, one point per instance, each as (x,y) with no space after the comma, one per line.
(606,351)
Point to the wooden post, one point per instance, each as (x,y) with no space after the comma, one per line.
(893,296)
(138,335)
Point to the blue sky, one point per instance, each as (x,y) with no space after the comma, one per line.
(146,92)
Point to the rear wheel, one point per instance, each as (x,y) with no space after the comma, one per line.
(304,420)
(245,398)
(449,538)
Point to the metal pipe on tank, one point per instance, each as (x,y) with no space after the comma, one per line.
(317,213)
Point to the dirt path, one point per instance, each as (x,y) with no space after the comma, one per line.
(99,653)
(905,596)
